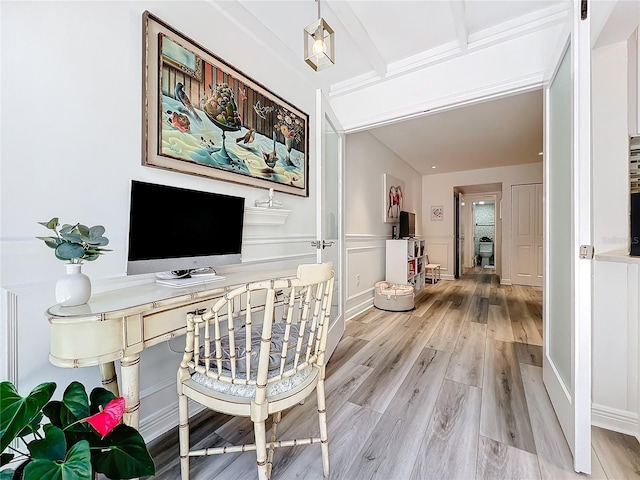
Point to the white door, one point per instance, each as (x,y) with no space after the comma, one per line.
(526,234)
(330,145)
(567,278)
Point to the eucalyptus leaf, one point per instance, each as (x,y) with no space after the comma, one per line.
(68,251)
(51,224)
(96,231)
(72,237)
(17,412)
(51,242)
(66,228)
(83,230)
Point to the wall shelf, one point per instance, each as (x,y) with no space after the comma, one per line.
(265,216)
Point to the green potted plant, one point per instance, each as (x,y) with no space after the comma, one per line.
(82,437)
(74,244)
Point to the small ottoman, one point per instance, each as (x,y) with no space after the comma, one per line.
(393,297)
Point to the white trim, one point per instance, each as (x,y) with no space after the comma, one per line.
(621,421)
(365,237)
(268,239)
(370,247)
(359,294)
(158,387)
(9,324)
(163,420)
(523,84)
(358,309)
(505,281)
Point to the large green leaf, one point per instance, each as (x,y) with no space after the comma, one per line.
(99,398)
(6,474)
(124,455)
(5,458)
(32,428)
(76,466)
(52,447)
(68,251)
(17,412)
(73,407)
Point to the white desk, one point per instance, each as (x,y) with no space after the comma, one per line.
(119,324)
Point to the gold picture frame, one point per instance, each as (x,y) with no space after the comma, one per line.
(203,117)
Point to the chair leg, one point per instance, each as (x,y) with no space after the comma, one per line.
(260,433)
(274,432)
(322,420)
(183,409)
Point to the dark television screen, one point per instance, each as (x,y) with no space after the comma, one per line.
(174,228)
(407,224)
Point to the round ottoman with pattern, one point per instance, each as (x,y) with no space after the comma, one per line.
(393,297)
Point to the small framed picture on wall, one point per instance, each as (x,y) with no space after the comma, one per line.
(437,212)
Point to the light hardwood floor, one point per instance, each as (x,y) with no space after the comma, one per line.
(450,390)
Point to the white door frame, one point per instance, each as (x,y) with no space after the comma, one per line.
(324,112)
(572,403)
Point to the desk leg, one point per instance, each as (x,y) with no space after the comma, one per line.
(109,377)
(130,372)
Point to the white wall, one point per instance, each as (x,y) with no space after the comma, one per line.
(367,161)
(615,312)
(71,143)
(610,148)
(438,190)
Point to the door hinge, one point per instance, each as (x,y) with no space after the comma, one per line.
(587,251)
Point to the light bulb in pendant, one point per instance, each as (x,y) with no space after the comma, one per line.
(319,47)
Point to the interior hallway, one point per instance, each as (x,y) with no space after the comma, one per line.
(450,390)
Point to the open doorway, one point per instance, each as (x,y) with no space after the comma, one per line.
(478,228)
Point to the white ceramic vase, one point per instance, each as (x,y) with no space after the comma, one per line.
(73,288)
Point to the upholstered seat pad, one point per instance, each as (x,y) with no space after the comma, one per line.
(277,344)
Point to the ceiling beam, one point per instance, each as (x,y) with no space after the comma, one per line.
(353,26)
(459,20)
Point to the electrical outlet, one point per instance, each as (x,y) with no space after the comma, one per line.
(357,279)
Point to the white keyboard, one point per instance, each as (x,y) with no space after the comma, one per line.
(187,282)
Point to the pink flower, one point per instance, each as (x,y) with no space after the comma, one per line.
(105,420)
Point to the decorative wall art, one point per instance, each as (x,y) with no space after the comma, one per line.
(437,212)
(203,117)
(393,195)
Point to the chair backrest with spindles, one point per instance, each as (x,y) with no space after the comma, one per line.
(263,332)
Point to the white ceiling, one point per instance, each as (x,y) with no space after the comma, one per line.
(380,39)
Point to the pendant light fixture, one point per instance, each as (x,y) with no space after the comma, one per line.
(319,48)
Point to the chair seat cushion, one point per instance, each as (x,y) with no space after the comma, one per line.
(277,344)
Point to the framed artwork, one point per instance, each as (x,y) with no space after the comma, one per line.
(437,212)
(393,198)
(203,117)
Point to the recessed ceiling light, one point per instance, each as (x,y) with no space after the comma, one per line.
(433,166)
(462,203)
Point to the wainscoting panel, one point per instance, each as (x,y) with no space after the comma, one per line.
(365,265)
(439,252)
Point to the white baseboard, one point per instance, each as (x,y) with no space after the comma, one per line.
(505,281)
(161,421)
(358,309)
(621,421)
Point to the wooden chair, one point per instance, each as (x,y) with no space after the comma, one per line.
(240,360)
(432,271)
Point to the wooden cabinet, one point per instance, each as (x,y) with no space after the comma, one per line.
(405,262)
